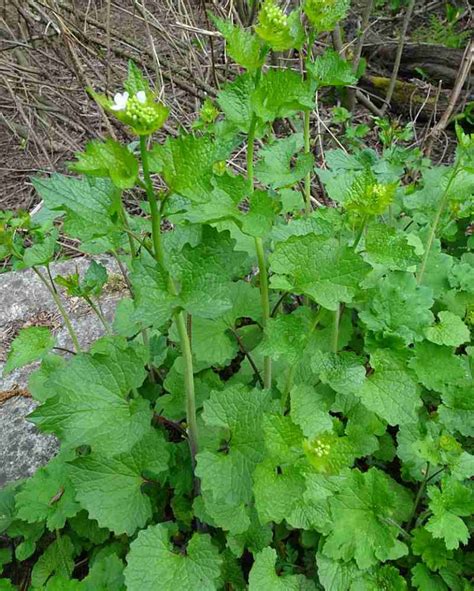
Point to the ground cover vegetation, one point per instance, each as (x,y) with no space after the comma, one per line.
(284,400)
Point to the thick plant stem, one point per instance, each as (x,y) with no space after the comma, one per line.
(250,152)
(262,266)
(434,227)
(179,317)
(61,308)
(154,209)
(307,150)
(188,384)
(265,298)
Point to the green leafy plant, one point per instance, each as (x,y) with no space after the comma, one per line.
(284,398)
(444,31)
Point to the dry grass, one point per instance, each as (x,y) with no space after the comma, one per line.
(51,50)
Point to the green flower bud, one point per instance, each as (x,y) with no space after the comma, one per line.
(369,198)
(209,112)
(329,453)
(279,30)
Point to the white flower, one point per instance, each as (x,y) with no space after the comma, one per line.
(120,102)
(141,96)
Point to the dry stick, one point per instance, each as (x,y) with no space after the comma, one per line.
(362,98)
(155,24)
(463,72)
(175,69)
(31,130)
(85,81)
(358,51)
(156,60)
(211,45)
(398,56)
(80,70)
(132,56)
(253,13)
(107,65)
(241,7)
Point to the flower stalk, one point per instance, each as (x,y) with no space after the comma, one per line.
(179,316)
(262,266)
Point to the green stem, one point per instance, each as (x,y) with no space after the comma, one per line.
(188,384)
(140,241)
(419,494)
(265,299)
(262,266)
(179,317)
(434,227)
(154,209)
(307,150)
(99,314)
(61,308)
(249,358)
(360,233)
(250,152)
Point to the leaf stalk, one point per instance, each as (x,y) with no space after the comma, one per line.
(62,310)
(434,227)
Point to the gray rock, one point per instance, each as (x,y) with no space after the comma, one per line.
(26,301)
(23,449)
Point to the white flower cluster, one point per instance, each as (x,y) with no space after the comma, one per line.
(121,100)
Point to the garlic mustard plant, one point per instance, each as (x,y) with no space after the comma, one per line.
(283,398)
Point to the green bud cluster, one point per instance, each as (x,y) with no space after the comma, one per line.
(274,15)
(140,115)
(220,167)
(448,443)
(380,197)
(208,113)
(470,317)
(320,448)
(368,197)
